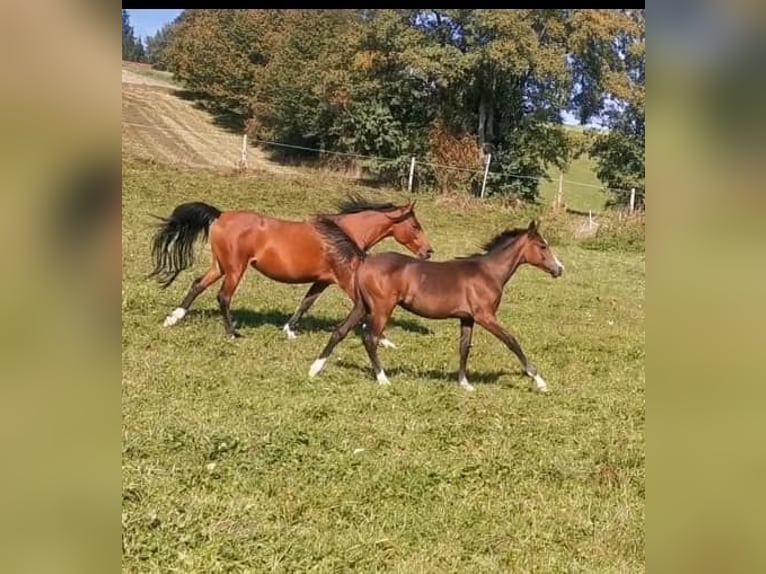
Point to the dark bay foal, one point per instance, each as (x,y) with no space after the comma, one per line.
(467,288)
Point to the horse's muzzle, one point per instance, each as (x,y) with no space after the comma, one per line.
(427,254)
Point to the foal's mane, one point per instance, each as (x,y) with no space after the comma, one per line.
(339,242)
(500,241)
(503,239)
(354,203)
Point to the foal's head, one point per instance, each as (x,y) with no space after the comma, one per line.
(535,251)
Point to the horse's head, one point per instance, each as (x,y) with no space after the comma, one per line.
(406,230)
(538,253)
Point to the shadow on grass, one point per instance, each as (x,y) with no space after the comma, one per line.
(434,375)
(253,319)
(230,121)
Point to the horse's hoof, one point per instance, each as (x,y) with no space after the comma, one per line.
(234,335)
(290,333)
(316,366)
(177,314)
(466,386)
(382,378)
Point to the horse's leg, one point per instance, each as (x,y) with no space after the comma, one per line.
(466,331)
(340,333)
(308,300)
(348,287)
(230,283)
(371,337)
(490,323)
(196,289)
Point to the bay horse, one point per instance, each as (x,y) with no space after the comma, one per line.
(285,251)
(467,288)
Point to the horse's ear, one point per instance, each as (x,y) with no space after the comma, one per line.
(411,205)
(532,226)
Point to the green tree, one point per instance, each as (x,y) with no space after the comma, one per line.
(132,48)
(444,84)
(157,46)
(610,64)
(218,54)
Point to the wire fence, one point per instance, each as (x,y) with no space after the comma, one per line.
(239,155)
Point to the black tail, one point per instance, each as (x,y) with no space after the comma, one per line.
(172,247)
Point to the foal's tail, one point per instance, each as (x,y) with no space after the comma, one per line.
(172,246)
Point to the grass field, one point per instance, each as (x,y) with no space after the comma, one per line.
(234,461)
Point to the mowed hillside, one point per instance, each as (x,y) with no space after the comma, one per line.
(159,124)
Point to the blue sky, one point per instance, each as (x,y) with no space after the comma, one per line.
(147,22)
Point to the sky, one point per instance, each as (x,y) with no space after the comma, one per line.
(147,22)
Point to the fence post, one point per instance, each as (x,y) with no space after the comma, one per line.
(560,196)
(412,174)
(632,199)
(243,157)
(486,172)
(590,219)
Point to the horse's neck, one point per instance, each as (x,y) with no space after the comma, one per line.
(366,229)
(503,263)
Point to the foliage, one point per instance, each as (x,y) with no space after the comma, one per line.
(373,82)
(132,48)
(619,233)
(157,46)
(448,149)
(218,53)
(612,69)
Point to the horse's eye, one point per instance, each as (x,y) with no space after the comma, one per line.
(544,247)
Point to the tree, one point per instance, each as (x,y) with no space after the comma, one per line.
(442,84)
(157,46)
(132,48)
(219,54)
(611,67)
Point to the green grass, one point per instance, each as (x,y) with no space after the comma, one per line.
(578,197)
(234,461)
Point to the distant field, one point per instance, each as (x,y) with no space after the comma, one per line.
(234,461)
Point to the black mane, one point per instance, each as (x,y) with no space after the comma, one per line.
(499,241)
(341,244)
(356,203)
(503,239)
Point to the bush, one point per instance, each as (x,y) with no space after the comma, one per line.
(618,233)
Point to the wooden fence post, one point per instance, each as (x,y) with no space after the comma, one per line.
(632,199)
(412,174)
(560,195)
(486,172)
(243,157)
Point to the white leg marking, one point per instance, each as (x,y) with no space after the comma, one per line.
(385,342)
(290,333)
(466,385)
(541,386)
(177,314)
(382,378)
(316,366)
